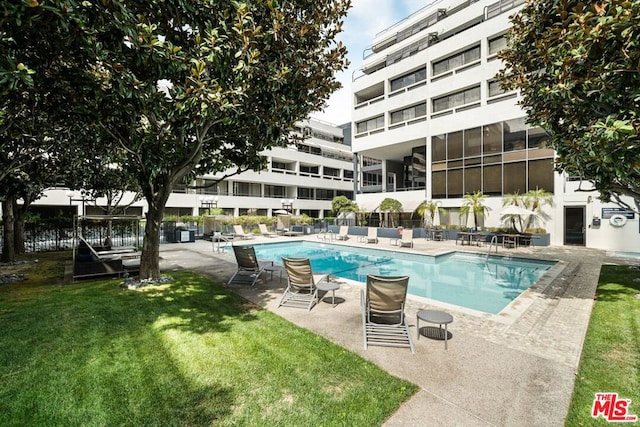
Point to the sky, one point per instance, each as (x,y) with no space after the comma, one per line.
(364,20)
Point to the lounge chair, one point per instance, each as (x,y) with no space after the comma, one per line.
(89,262)
(407,238)
(249,267)
(372,235)
(265,232)
(343,234)
(239,232)
(301,289)
(384,322)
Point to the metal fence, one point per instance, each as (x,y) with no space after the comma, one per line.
(56,236)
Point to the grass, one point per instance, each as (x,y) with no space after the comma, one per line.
(610,357)
(186,353)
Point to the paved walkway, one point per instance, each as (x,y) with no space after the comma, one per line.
(515,368)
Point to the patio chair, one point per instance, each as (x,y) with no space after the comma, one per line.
(372,235)
(343,234)
(239,232)
(301,289)
(265,232)
(128,257)
(249,267)
(383,319)
(407,238)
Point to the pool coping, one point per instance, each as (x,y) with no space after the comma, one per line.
(515,370)
(509,314)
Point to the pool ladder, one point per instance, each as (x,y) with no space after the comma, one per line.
(494,242)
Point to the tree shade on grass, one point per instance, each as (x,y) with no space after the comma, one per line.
(186,353)
(610,360)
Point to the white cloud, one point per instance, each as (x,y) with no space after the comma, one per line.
(365,19)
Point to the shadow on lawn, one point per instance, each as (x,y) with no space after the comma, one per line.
(96,351)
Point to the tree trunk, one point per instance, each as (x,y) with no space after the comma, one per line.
(150,260)
(19,212)
(108,242)
(8,249)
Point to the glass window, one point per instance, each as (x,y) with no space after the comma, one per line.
(497,44)
(276,191)
(492,138)
(305,193)
(371,178)
(409,113)
(514,134)
(472,180)
(438,148)
(409,79)
(454,145)
(439,184)
(456,99)
(472,95)
(324,194)
(472,142)
(370,124)
(492,180)
(327,171)
(541,175)
(440,67)
(454,183)
(495,89)
(515,178)
(441,104)
(537,137)
(471,55)
(456,60)
(309,169)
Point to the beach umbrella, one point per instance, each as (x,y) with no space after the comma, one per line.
(471,220)
(436,218)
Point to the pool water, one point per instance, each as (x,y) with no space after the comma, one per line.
(473,281)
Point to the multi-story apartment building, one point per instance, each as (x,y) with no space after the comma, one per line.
(302,178)
(430,122)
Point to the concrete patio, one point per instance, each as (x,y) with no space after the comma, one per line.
(515,368)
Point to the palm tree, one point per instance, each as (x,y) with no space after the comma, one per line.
(535,200)
(474,203)
(428,207)
(392,206)
(515,200)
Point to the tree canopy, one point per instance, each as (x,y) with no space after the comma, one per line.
(181,89)
(577,66)
(473,203)
(341,204)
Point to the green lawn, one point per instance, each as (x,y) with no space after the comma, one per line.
(187,353)
(611,354)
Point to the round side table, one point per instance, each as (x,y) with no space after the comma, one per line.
(436,317)
(326,286)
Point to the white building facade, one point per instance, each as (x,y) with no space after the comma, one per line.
(430,122)
(302,178)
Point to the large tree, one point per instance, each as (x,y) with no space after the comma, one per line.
(187,88)
(577,66)
(237,76)
(39,80)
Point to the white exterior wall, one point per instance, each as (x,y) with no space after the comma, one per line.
(291,181)
(395,143)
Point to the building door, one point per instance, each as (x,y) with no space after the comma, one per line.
(574,225)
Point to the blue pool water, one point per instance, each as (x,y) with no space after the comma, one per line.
(469,280)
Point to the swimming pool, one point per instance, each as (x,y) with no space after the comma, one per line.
(474,281)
